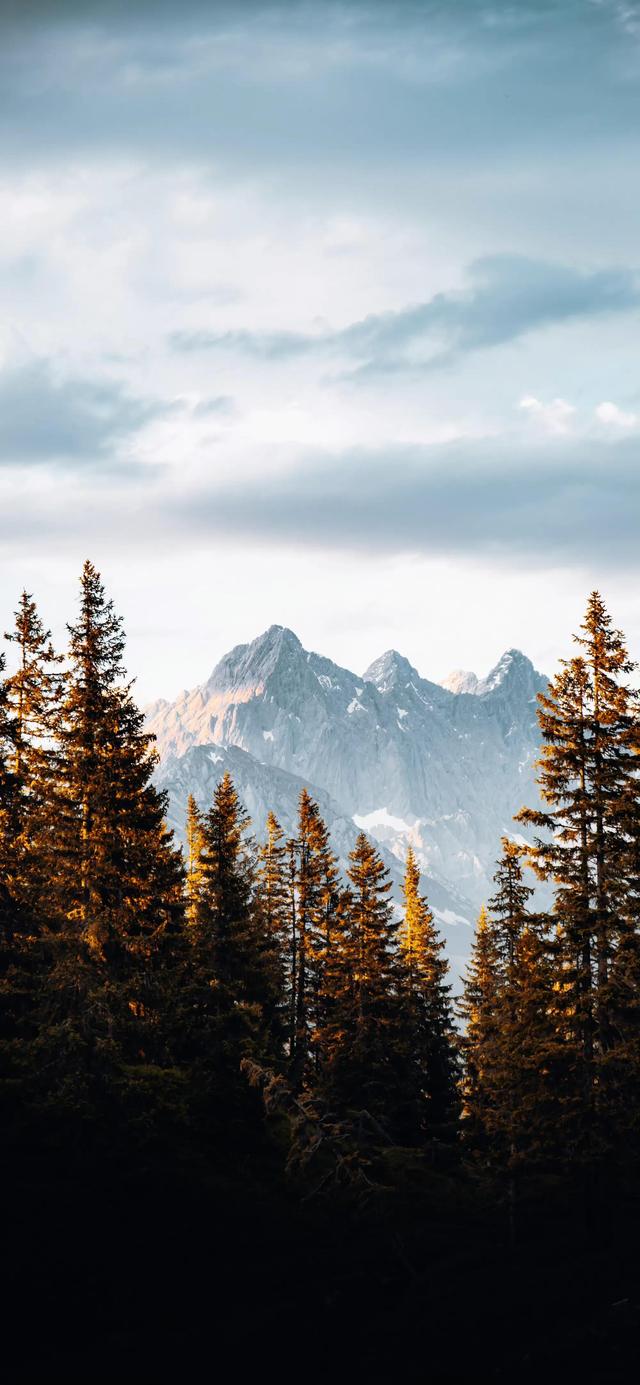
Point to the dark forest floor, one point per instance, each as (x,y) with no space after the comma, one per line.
(166,1268)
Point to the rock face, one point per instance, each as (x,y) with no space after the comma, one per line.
(442,767)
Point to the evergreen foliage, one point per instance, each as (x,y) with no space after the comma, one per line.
(480,1009)
(361,1036)
(138,990)
(313,880)
(427,1017)
(589,781)
(118,890)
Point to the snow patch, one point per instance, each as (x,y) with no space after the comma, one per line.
(267,735)
(355,706)
(449,917)
(380,818)
(216,759)
(515,837)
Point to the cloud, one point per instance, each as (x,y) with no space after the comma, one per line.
(507,297)
(609,413)
(555,417)
(74,421)
(360,83)
(567,503)
(262,346)
(221,404)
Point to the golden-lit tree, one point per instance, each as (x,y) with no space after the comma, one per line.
(427,1019)
(119,883)
(272,901)
(315,884)
(480,1009)
(195,846)
(233,988)
(361,1040)
(588,775)
(34,693)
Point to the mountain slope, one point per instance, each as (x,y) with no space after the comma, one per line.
(408,759)
(263,787)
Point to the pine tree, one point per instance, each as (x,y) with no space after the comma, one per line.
(273,899)
(524,1120)
(233,988)
(8,908)
(195,848)
(33,697)
(360,1040)
(427,1018)
(316,896)
(589,783)
(535,1117)
(32,700)
(272,881)
(508,905)
(119,878)
(480,1009)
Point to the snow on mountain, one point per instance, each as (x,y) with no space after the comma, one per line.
(444,768)
(263,788)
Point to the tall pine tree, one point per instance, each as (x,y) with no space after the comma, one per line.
(119,878)
(427,1019)
(316,897)
(195,847)
(232,991)
(588,774)
(361,1039)
(34,693)
(480,1007)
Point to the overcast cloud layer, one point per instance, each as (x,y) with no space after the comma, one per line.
(324,314)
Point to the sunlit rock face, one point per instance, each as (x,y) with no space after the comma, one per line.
(442,767)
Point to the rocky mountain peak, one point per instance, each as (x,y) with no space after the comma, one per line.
(250,665)
(391,670)
(513,668)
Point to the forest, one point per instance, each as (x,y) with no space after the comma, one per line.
(242,1109)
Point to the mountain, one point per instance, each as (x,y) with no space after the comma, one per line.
(263,787)
(444,767)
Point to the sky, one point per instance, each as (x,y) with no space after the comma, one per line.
(323,315)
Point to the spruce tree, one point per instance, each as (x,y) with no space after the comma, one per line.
(233,985)
(316,896)
(119,877)
(195,847)
(7,798)
(9,921)
(6,755)
(589,782)
(480,1009)
(508,905)
(534,1118)
(32,702)
(427,1020)
(34,699)
(361,1040)
(273,901)
(519,1109)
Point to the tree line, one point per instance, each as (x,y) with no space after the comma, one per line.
(144,989)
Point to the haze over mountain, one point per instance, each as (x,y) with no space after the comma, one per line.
(405,759)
